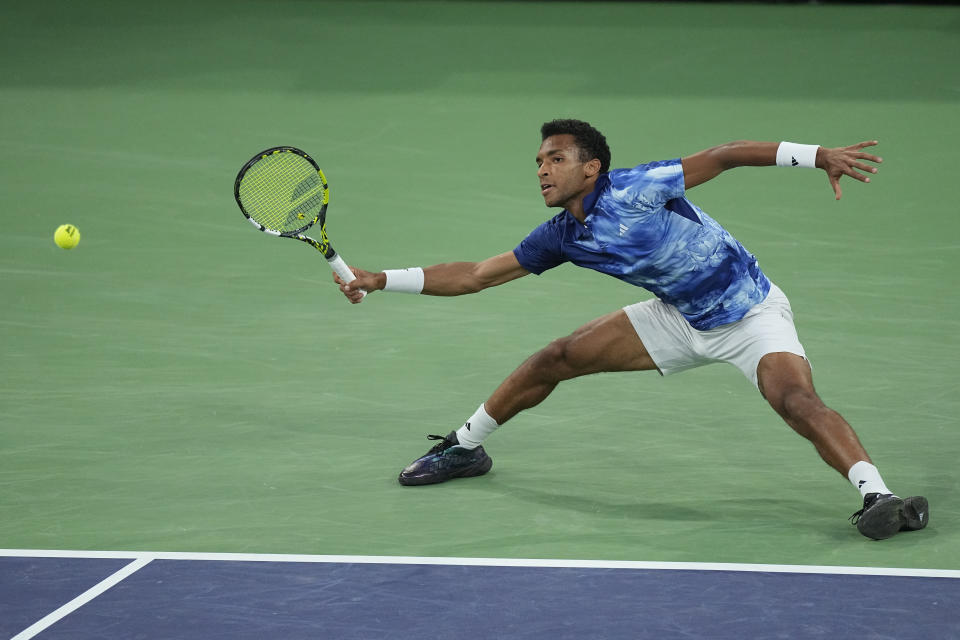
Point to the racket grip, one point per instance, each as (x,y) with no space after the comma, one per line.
(340,267)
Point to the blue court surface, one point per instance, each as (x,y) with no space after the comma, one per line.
(79,595)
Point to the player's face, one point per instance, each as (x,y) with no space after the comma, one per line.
(563,177)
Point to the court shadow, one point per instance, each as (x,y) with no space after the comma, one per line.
(677,510)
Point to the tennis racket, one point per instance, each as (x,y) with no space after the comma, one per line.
(283,192)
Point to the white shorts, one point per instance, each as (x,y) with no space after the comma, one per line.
(676,346)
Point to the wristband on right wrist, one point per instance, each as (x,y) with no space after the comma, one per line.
(404,280)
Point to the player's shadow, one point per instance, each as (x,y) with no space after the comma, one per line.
(713,508)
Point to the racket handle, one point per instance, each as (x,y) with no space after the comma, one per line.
(340,267)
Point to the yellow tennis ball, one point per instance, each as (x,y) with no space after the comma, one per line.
(66,236)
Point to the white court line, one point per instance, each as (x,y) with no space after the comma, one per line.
(82,599)
(486,562)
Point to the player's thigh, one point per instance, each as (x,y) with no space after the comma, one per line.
(608,343)
(781,374)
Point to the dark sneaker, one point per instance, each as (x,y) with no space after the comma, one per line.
(444,461)
(884,514)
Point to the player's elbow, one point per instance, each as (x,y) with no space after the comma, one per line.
(729,155)
(473,277)
(475,282)
(468,279)
(479,277)
(471,285)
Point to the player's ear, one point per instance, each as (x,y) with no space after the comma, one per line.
(592,168)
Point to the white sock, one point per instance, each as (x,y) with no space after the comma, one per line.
(865,477)
(475,430)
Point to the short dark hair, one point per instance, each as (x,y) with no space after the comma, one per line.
(592,143)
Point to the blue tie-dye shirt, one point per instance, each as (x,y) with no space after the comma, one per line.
(639,228)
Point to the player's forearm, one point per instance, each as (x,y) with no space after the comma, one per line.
(447,279)
(452,279)
(709,163)
(744,153)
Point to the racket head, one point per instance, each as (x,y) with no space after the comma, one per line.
(282,191)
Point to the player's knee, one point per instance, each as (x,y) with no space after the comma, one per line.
(555,361)
(798,403)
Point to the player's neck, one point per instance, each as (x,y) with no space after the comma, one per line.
(575,208)
(575,204)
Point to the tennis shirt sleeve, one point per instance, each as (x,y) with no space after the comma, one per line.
(542,249)
(650,185)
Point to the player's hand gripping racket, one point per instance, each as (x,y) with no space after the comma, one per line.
(283,192)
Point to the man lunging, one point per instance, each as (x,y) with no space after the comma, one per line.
(713,302)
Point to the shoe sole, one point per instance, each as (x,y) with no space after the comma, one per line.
(468,472)
(893,515)
(916,513)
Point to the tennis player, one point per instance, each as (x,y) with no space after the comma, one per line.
(713,302)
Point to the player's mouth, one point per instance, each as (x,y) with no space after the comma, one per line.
(544,188)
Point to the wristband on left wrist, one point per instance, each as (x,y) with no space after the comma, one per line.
(791,154)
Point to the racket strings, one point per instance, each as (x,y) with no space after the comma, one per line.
(283,192)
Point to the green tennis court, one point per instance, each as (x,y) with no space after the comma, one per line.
(179,382)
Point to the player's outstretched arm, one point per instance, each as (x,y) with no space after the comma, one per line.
(709,163)
(448,279)
(836,162)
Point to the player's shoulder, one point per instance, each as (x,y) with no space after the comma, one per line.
(649,177)
(654,169)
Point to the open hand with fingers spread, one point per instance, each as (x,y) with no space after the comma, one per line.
(847,161)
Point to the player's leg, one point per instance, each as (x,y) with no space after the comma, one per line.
(785,380)
(609,343)
(764,345)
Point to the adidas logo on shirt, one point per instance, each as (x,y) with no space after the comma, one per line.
(623,228)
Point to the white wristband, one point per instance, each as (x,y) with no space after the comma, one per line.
(791,154)
(404,280)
